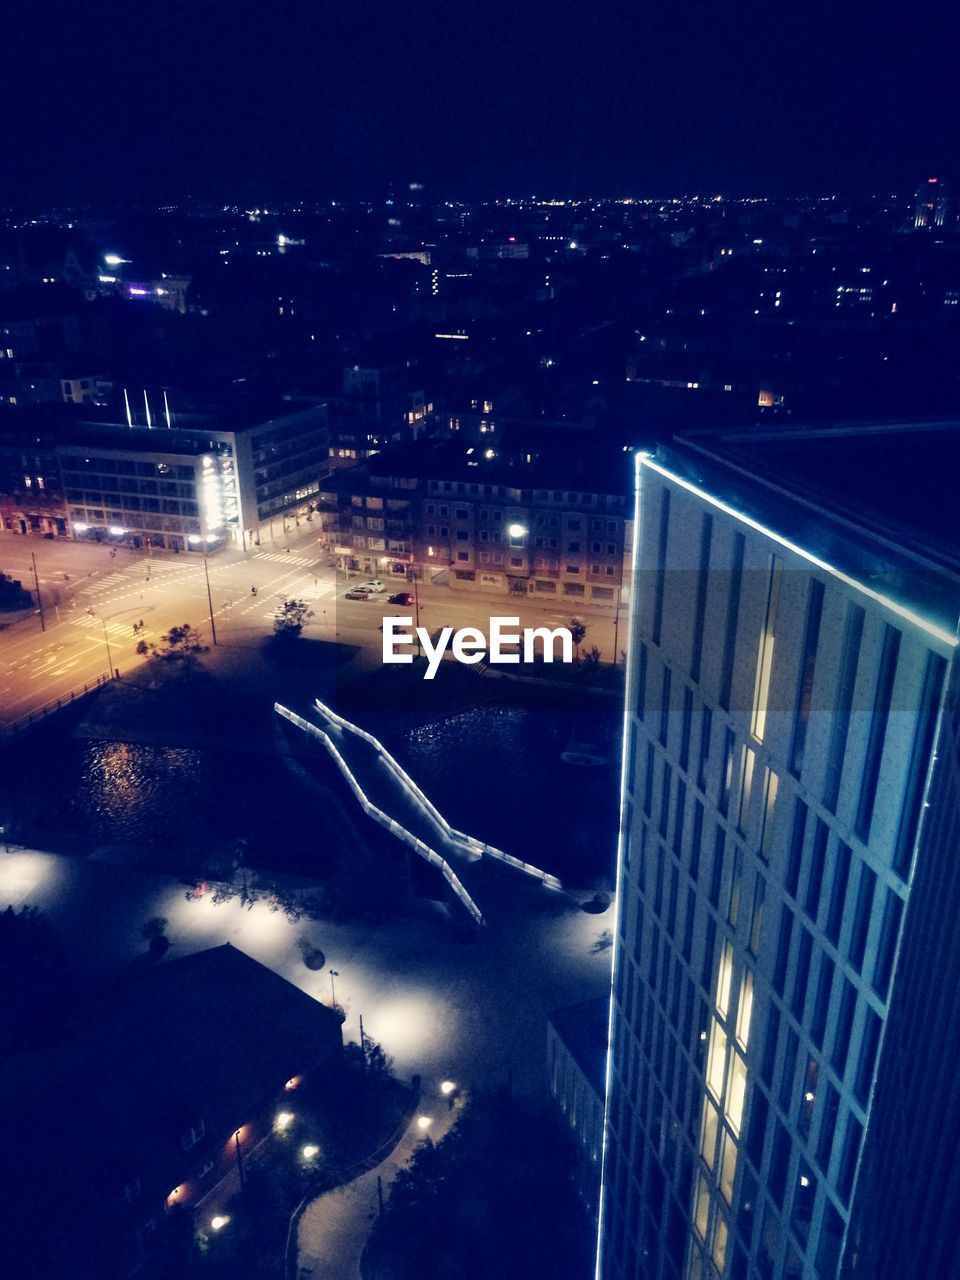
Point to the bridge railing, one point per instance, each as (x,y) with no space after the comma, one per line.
(462,842)
(396,828)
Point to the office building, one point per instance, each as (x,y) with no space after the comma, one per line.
(193,481)
(784,1023)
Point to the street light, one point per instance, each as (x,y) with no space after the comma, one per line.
(334,973)
(106,639)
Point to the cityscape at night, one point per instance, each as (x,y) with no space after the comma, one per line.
(479,614)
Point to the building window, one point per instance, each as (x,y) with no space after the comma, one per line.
(685,726)
(808,662)
(870,773)
(852,635)
(771,785)
(869,1045)
(730,628)
(756,915)
(665,707)
(706,725)
(748,763)
(818,857)
(661,564)
(795,862)
(761,686)
(838,892)
(706,533)
(887,944)
(861,919)
(726,773)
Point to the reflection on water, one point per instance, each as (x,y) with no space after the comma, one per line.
(497,773)
(139,793)
(63,793)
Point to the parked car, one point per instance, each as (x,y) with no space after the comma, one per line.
(375,586)
(402,597)
(358,593)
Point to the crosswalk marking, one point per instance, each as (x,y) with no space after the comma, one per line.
(283,557)
(114,628)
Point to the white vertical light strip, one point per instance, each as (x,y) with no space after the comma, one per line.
(126,402)
(938,633)
(166,408)
(624,761)
(146,404)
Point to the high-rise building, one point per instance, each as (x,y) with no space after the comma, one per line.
(785,1016)
(930,204)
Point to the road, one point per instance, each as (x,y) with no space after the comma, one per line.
(91,602)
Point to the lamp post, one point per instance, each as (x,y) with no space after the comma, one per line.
(334,973)
(106,639)
(416,605)
(36,579)
(213,625)
(236,1139)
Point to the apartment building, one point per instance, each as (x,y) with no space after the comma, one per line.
(495,521)
(783,1018)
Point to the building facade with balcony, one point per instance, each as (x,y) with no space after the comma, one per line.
(496,525)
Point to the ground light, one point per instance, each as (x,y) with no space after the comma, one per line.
(447,1088)
(424,1122)
(219,1222)
(284,1120)
(310,1151)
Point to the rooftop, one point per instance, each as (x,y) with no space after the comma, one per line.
(874,500)
(578,461)
(112,1102)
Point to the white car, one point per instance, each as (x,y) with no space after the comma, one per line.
(375,586)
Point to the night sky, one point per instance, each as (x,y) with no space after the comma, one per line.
(288,99)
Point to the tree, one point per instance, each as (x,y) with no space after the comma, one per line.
(591,660)
(292,617)
(578,629)
(493,1198)
(181,644)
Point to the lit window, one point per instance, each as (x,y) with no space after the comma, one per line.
(728,1167)
(736,1091)
(771,784)
(745,1011)
(708,1136)
(717,1060)
(724,980)
(702,1208)
(748,761)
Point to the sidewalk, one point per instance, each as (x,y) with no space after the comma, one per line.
(335,1227)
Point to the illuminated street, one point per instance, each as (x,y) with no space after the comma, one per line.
(90,614)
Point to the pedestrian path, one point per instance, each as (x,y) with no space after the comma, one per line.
(285,557)
(113,628)
(387,794)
